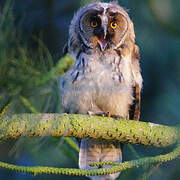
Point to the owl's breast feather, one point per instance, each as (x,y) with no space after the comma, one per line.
(84,90)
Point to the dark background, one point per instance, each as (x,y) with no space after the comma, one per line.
(32,36)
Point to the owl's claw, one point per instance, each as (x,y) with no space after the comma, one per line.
(104,114)
(90,113)
(117,117)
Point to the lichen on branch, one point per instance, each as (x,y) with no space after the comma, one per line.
(85,126)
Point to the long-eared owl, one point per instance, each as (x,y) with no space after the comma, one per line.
(105,77)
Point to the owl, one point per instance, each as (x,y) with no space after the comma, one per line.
(106,75)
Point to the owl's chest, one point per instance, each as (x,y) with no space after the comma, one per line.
(99,73)
(103,70)
(98,82)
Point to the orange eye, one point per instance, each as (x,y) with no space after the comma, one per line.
(113,25)
(94,24)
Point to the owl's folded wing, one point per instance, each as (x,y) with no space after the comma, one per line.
(136,71)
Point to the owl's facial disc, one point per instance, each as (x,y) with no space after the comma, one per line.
(102,29)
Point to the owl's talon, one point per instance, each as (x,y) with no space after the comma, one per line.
(117,117)
(90,113)
(105,114)
(108,114)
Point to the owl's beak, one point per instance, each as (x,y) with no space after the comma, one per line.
(102,44)
(104,30)
(102,41)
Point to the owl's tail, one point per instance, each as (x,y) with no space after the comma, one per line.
(92,150)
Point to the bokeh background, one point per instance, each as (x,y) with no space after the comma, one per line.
(32,36)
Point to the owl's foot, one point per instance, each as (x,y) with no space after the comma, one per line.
(117,117)
(105,114)
(90,113)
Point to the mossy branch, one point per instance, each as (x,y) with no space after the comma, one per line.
(84,126)
(116,167)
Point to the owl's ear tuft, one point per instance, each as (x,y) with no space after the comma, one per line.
(65,49)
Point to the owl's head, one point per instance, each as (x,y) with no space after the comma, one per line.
(100,26)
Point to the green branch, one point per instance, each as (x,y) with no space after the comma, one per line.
(84,126)
(117,167)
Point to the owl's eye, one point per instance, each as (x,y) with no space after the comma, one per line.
(93,23)
(113,25)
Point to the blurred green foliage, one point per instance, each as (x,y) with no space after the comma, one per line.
(20,66)
(32,35)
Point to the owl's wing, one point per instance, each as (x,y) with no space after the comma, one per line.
(135,108)
(136,71)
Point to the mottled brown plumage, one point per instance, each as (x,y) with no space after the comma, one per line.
(105,73)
